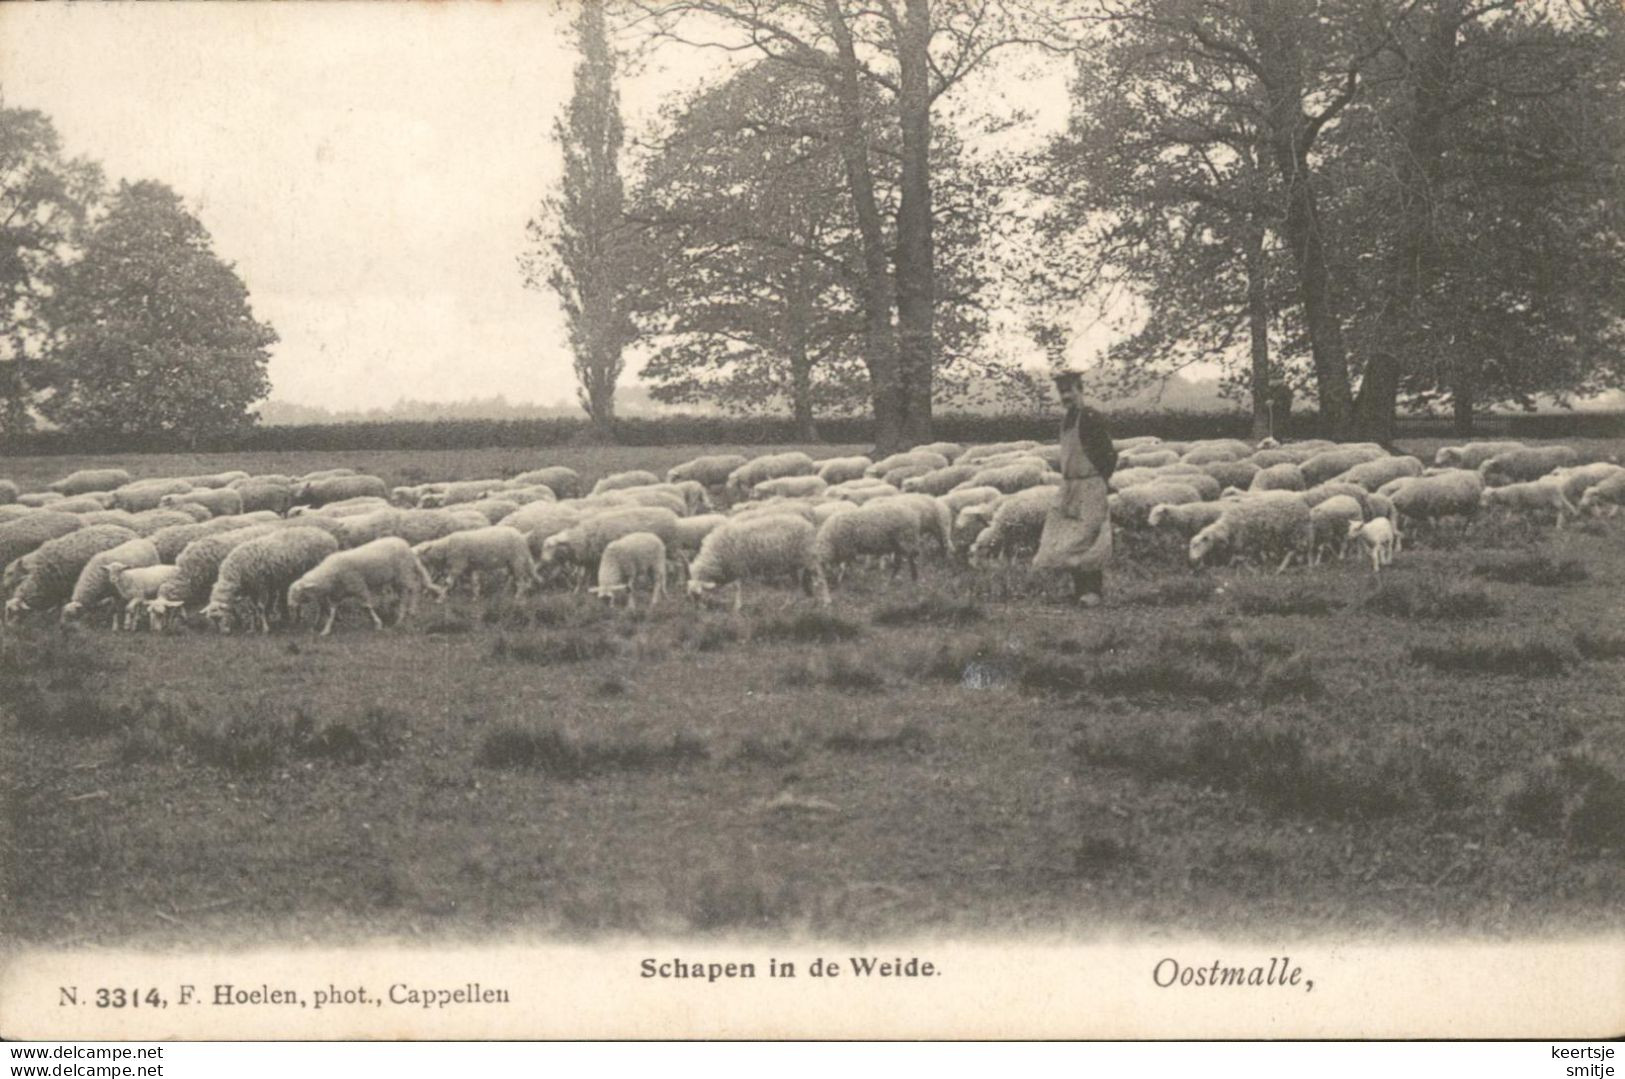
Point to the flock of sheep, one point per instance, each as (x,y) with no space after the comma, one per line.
(237,550)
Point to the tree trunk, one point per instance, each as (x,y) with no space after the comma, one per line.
(916,285)
(1290,138)
(1258,324)
(801,406)
(879,338)
(1462,402)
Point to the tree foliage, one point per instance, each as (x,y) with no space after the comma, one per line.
(150,331)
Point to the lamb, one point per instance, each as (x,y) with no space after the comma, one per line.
(1017,476)
(756,547)
(583,544)
(1528,463)
(1285,477)
(1472,454)
(1230,473)
(959,498)
(481,552)
(1016,524)
(939,481)
(767,467)
(933,517)
(889,464)
(1131,508)
(626,561)
(319,492)
(565,482)
(196,568)
(1187,518)
(1432,498)
(137,586)
(1379,538)
(1606,497)
(217,479)
(1332,519)
(89,479)
(790,487)
(460,491)
(256,574)
(833,470)
(261,494)
(93,587)
(146,494)
(23,535)
(994,449)
(1328,463)
(1259,527)
(386,563)
(619,481)
(1374,473)
(712,470)
(51,572)
(219,501)
(1542,494)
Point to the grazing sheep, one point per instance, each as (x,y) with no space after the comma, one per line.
(361,573)
(1149,458)
(801,507)
(1134,442)
(1131,508)
(1541,494)
(137,586)
(619,481)
(898,476)
(524,496)
(494,509)
(583,544)
(861,491)
(823,511)
(325,474)
(89,479)
(939,481)
(766,546)
(1472,454)
(1336,488)
(457,492)
(261,494)
(79,504)
(833,470)
(637,496)
(1606,497)
(9,513)
(961,497)
(1016,524)
(539,521)
(39,499)
(23,535)
(767,467)
(1124,478)
(1433,498)
(1233,446)
(346,507)
(171,541)
(565,481)
(320,492)
(1266,458)
(1378,538)
(480,552)
(885,465)
(93,587)
(993,449)
(219,501)
(1579,479)
(1231,473)
(1528,463)
(691,533)
(1379,506)
(711,470)
(790,487)
(1185,519)
(142,495)
(256,574)
(1195,478)
(935,519)
(51,572)
(1207,455)
(147,522)
(1373,474)
(970,522)
(628,560)
(276,478)
(1283,477)
(1332,519)
(1328,463)
(1010,478)
(946,450)
(196,568)
(217,479)
(1259,527)
(361,528)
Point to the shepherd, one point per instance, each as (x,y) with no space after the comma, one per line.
(1077,533)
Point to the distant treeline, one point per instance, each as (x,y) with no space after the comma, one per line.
(725,430)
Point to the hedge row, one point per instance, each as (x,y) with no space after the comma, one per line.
(724,430)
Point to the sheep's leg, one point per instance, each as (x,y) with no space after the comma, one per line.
(332,613)
(913,568)
(739,596)
(659,588)
(366,599)
(1285,562)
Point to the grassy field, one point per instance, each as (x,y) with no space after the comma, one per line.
(1225,751)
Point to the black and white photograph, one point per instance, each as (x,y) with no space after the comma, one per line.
(812,519)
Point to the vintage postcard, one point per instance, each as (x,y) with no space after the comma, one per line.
(757,519)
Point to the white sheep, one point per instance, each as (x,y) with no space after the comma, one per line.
(23,535)
(142,495)
(770,466)
(1231,473)
(89,479)
(51,572)
(620,481)
(861,491)
(217,479)
(1259,527)
(934,517)
(881,468)
(993,449)
(255,575)
(1319,493)
(969,523)
(263,494)
(1433,498)
(138,586)
(833,470)
(171,541)
(38,499)
(1606,497)
(538,521)
(456,492)
(90,503)
(1527,463)
(219,501)
(1149,458)
(691,533)
(1372,474)
(711,470)
(565,481)
(1185,519)
(386,564)
(958,499)
(1010,478)
(805,508)
(628,560)
(1016,524)
(789,487)
(93,588)
(1379,538)
(939,481)
(947,450)
(1331,519)
(494,509)
(583,544)
(536,492)
(325,474)
(1329,463)
(1579,479)
(1282,477)
(1134,442)
(196,568)
(320,492)
(1472,454)
(897,477)
(357,529)
(1532,497)
(766,546)
(1132,508)
(481,551)
(1206,455)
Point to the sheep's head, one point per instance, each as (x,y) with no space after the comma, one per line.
(16,607)
(220,615)
(701,592)
(159,610)
(558,547)
(1206,542)
(611,593)
(71,610)
(298,595)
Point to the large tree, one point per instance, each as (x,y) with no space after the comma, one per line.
(150,330)
(45,202)
(583,251)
